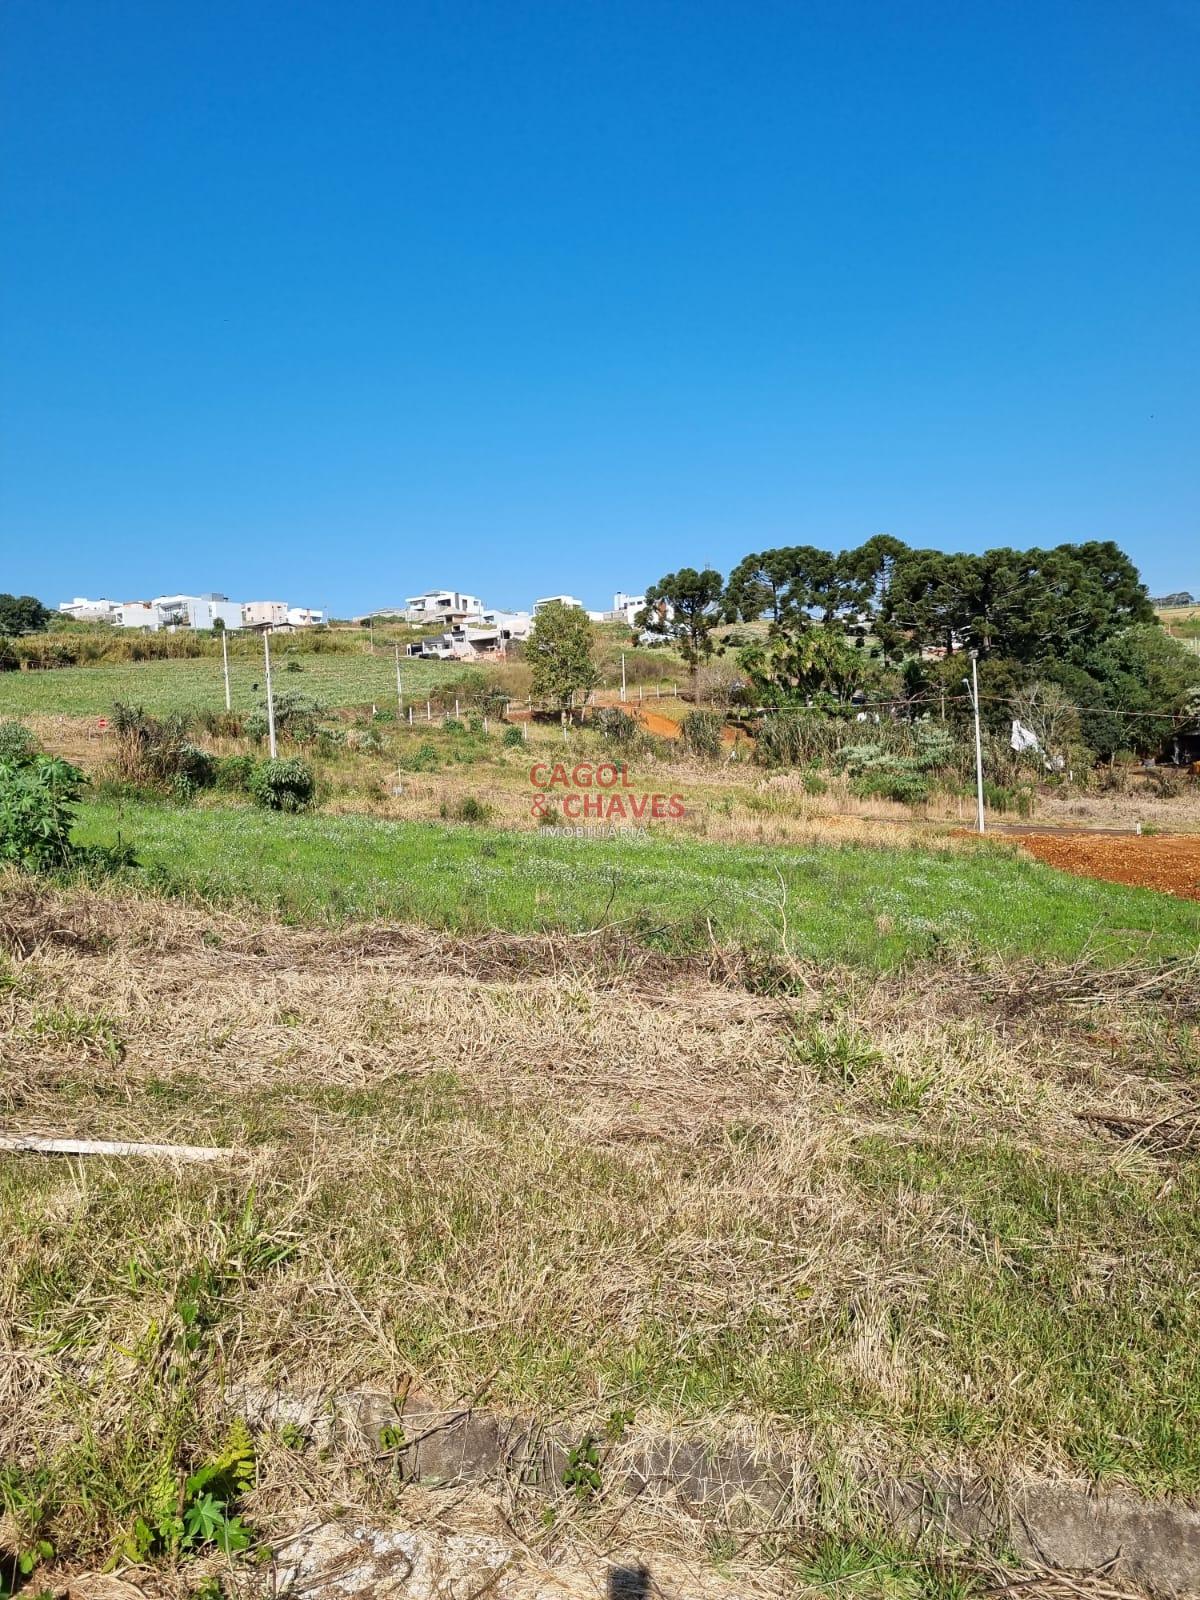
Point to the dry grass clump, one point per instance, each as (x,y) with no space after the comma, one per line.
(878,1221)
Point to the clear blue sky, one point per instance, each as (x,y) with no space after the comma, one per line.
(334,301)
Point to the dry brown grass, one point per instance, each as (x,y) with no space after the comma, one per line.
(573,1176)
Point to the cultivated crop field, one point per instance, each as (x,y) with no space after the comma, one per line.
(197,684)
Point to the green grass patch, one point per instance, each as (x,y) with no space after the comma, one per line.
(197,684)
(869,907)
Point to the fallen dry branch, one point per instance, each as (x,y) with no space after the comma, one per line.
(34,1143)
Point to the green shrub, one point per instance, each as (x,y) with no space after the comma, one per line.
(513,737)
(814,783)
(423,759)
(37,808)
(906,788)
(780,740)
(933,745)
(701,732)
(283,785)
(155,753)
(453,725)
(17,745)
(222,724)
(616,726)
(296,718)
(233,772)
(1007,797)
(468,809)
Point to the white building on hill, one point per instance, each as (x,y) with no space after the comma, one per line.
(443,607)
(265,613)
(81,610)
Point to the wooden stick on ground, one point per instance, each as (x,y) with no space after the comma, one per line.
(108,1147)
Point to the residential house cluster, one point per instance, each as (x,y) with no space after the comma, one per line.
(460,626)
(171,611)
(466,628)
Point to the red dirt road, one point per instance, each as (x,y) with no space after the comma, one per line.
(1170,863)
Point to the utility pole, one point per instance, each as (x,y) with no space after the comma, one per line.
(972,684)
(270,696)
(622,677)
(225,664)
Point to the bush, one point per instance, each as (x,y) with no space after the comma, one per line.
(1007,797)
(154,753)
(469,809)
(37,808)
(195,769)
(782,740)
(233,772)
(423,759)
(616,726)
(906,788)
(513,737)
(296,718)
(18,747)
(283,785)
(222,724)
(701,732)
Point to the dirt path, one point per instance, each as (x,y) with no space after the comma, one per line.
(1169,863)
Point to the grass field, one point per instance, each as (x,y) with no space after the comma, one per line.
(884,1222)
(198,684)
(1182,621)
(866,906)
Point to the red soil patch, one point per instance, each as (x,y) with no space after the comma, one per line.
(655,722)
(1170,863)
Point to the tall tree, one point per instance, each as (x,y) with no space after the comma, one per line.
(934,597)
(756,586)
(22,613)
(559,652)
(686,606)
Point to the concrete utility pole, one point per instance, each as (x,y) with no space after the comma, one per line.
(972,684)
(225,664)
(622,677)
(270,696)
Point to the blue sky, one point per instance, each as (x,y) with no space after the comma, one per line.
(335,301)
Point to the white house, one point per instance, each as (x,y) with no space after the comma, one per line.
(625,607)
(304,617)
(197,610)
(139,614)
(442,606)
(265,613)
(557,600)
(82,610)
(209,609)
(510,626)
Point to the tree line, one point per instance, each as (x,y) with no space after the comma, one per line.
(884,621)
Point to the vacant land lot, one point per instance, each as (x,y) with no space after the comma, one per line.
(946,1220)
(874,907)
(1171,865)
